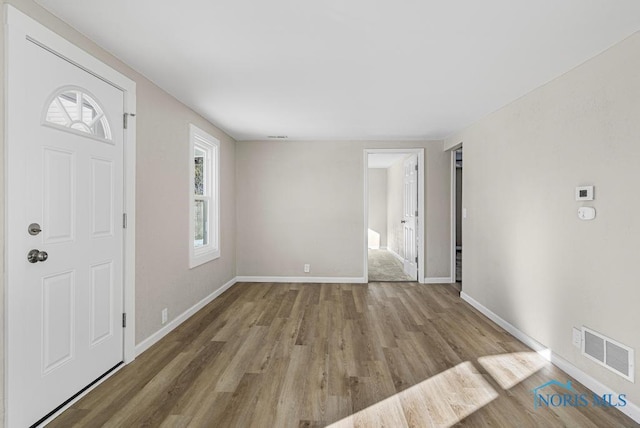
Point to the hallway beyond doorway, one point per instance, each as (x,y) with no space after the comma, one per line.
(384,266)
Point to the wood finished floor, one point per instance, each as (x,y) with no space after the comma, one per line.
(311,355)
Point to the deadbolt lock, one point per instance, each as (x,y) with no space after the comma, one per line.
(34,229)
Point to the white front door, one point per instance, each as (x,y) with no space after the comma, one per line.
(410,216)
(65,178)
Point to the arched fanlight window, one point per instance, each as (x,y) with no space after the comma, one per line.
(75,110)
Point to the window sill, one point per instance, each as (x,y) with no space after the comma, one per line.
(198,258)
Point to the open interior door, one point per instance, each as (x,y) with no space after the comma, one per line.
(410,216)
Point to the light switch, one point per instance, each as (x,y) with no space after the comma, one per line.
(576,339)
(464,213)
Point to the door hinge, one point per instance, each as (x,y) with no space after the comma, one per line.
(124,220)
(125,119)
(416,167)
(124,320)
(416,259)
(416,213)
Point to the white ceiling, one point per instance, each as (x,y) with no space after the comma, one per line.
(350,69)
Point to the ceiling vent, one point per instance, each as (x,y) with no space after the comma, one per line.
(277,137)
(607,352)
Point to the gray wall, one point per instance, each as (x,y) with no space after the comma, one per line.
(438,213)
(303,202)
(163,277)
(377,196)
(527,256)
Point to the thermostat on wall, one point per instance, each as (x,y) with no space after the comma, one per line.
(584,193)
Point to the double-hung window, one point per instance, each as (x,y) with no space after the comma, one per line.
(204,207)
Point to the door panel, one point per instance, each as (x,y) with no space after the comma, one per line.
(59,195)
(66,174)
(102,204)
(58,338)
(101,302)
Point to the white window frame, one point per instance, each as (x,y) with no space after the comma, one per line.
(211,146)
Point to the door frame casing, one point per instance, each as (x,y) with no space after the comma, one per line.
(19,26)
(420,232)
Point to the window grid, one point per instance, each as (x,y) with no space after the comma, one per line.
(73,109)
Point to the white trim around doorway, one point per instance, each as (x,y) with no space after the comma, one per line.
(419,152)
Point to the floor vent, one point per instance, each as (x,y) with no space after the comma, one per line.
(607,352)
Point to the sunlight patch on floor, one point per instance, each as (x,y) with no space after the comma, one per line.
(511,369)
(440,401)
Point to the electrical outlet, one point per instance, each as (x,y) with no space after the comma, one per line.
(307,268)
(165,315)
(577,338)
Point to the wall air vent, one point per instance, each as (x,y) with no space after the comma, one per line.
(607,352)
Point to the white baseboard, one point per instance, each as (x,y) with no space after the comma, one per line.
(315,279)
(443,280)
(155,337)
(631,409)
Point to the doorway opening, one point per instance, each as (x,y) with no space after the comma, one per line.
(393,215)
(457,214)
